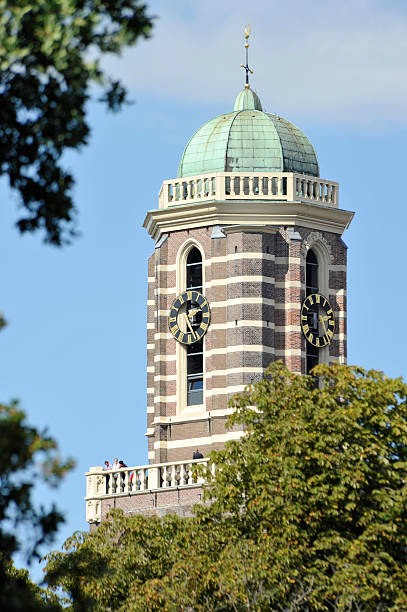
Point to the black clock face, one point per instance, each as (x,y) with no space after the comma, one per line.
(317,320)
(189,317)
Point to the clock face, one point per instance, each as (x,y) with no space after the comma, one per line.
(317,320)
(189,317)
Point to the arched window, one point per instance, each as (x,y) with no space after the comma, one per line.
(194,270)
(195,350)
(312,286)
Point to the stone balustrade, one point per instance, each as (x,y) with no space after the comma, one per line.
(280,186)
(109,484)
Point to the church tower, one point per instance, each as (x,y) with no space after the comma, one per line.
(249,266)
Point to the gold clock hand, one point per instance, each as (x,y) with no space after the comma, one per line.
(189,325)
(321,318)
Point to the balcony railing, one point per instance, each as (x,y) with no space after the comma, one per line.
(102,484)
(278,186)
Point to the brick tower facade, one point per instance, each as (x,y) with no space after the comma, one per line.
(253,232)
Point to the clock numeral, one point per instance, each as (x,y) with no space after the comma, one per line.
(317,298)
(304,317)
(305,306)
(181,299)
(329,333)
(181,336)
(175,329)
(205,315)
(305,329)
(324,303)
(317,342)
(189,295)
(204,326)
(329,312)
(310,300)
(310,337)
(325,339)
(173,319)
(331,322)
(189,338)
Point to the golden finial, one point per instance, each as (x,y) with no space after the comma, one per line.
(246,44)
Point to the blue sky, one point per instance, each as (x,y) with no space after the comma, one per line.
(74,349)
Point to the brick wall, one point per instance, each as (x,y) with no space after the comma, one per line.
(254,282)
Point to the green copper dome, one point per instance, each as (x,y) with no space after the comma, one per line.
(248,140)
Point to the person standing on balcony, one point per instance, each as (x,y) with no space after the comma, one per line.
(115,466)
(197,454)
(122,465)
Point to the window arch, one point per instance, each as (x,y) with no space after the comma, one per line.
(194,270)
(312,276)
(194,352)
(190,358)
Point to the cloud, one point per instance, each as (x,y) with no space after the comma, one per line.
(324,60)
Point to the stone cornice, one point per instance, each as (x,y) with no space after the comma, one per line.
(245,213)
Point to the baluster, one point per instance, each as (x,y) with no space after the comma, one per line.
(126,481)
(182,474)
(270,186)
(164,477)
(189,467)
(241,186)
(110,487)
(280,185)
(173,481)
(333,194)
(251,180)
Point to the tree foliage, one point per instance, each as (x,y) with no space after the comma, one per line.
(27,456)
(50,54)
(307,511)
(20,594)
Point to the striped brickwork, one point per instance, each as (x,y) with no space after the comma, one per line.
(254,281)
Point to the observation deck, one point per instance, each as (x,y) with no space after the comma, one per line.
(144,489)
(263,186)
